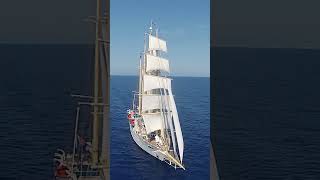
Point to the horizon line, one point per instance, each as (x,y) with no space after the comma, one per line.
(171,75)
(46,43)
(211,45)
(259,47)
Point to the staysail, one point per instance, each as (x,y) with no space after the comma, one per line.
(176,123)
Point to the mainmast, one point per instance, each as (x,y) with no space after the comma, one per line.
(95,131)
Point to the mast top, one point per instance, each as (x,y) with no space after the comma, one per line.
(152,27)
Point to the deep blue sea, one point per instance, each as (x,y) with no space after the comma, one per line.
(37,115)
(266,127)
(267,116)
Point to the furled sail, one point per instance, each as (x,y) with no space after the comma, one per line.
(156,43)
(155,82)
(157,63)
(153,122)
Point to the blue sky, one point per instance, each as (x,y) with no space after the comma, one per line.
(185,24)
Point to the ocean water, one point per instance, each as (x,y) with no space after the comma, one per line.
(36,111)
(37,115)
(129,161)
(267,113)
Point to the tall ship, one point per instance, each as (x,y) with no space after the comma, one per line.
(153,118)
(89,159)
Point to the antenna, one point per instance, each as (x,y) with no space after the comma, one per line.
(153,25)
(151,28)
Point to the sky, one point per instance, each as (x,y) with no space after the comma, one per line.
(267,24)
(184,24)
(46,21)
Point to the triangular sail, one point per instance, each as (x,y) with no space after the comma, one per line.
(176,123)
(170,122)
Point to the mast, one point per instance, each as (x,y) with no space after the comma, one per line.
(97,165)
(141,73)
(140,86)
(105,66)
(95,131)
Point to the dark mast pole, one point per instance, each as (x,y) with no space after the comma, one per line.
(95,135)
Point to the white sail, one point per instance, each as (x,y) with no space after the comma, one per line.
(153,122)
(152,101)
(157,63)
(169,119)
(157,44)
(155,82)
(176,123)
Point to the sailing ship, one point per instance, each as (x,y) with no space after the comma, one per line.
(89,159)
(153,119)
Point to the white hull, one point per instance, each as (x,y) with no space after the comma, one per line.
(145,146)
(154,151)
